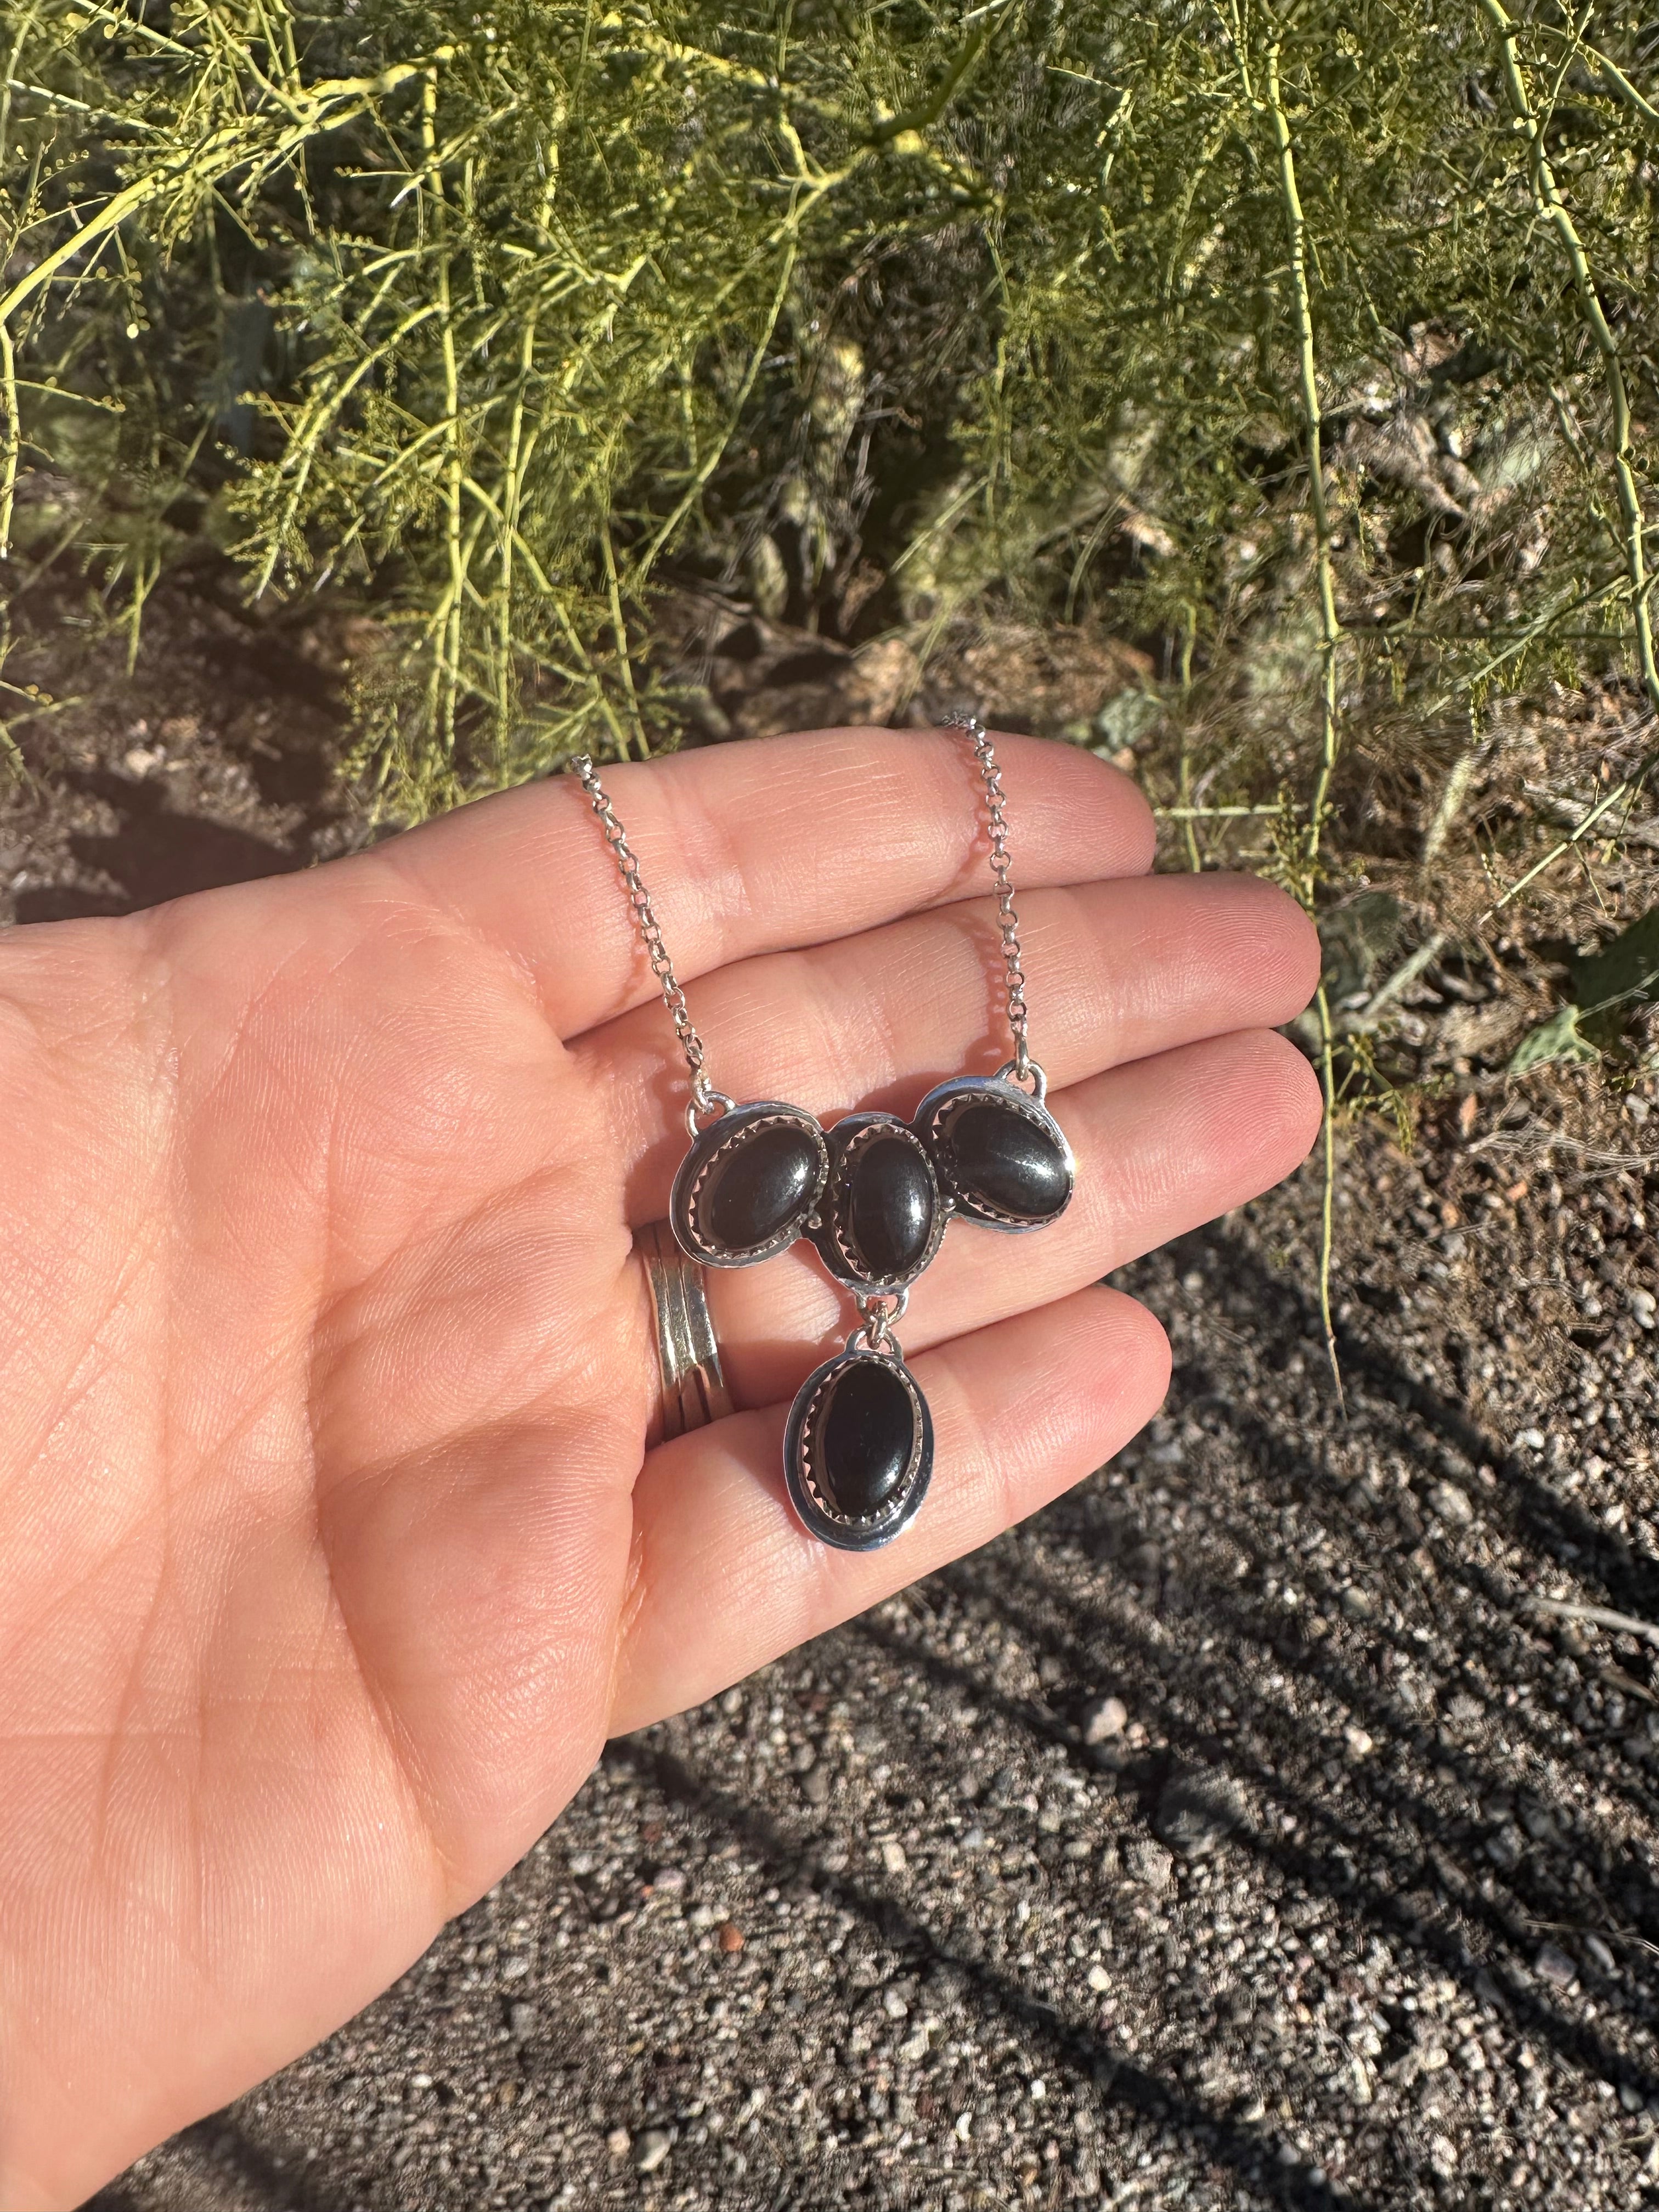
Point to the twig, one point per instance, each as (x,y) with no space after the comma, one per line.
(1609,799)
(928,112)
(1565,816)
(1402,978)
(1608,1935)
(1213,813)
(1624,1623)
(1451,800)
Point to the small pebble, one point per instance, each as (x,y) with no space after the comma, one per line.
(619,2142)
(892,1858)
(1451,1504)
(1104,1718)
(1195,1815)
(650,2148)
(1504,1849)
(521,2021)
(1553,1966)
(1150,1864)
(730,1937)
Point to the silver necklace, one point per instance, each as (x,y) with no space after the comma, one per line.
(873,1195)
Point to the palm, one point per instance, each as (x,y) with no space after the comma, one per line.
(333,1548)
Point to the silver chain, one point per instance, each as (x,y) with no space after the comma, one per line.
(704,1097)
(1007,918)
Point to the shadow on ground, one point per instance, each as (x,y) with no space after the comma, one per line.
(1356,1908)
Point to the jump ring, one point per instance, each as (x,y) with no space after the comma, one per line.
(705,1099)
(1011,1071)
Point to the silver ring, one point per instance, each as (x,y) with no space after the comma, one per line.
(694,1390)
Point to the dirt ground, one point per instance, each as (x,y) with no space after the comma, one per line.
(1238,1832)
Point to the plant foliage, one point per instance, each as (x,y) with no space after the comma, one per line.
(1316,341)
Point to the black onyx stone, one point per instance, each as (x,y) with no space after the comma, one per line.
(889,1207)
(864,1436)
(1000,1155)
(764,1179)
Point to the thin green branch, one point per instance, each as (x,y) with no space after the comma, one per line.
(447,660)
(1330,639)
(247,142)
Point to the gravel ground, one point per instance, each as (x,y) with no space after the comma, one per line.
(1234,1834)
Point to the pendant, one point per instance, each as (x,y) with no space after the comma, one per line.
(873,1197)
(749,1183)
(857,1454)
(882,1213)
(1001,1157)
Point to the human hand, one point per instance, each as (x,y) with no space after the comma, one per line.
(332,1550)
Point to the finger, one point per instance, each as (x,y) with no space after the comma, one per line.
(1162,1146)
(749,848)
(1114,971)
(723,1576)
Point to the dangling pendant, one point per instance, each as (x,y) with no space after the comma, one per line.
(874,1196)
(858,1453)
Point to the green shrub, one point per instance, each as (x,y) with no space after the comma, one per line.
(513,315)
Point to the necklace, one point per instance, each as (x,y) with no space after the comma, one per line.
(873,1195)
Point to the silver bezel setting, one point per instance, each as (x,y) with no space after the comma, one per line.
(871,1530)
(847,1138)
(947,1098)
(720,1136)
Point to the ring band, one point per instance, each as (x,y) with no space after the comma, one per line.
(694,1390)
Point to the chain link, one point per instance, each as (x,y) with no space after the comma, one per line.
(877,1311)
(1007,918)
(704,1098)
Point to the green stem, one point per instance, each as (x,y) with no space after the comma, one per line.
(446,670)
(1187,813)
(1330,633)
(12,434)
(619,631)
(513,486)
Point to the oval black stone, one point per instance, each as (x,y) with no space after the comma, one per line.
(1000,1155)
(889,1207)
(764,1179)
(864,1436)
